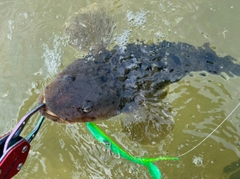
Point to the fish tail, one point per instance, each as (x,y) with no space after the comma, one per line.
(153,170)
(183,58)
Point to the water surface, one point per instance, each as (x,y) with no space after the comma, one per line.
(34,50)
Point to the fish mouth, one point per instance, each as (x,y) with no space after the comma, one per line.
(47,113)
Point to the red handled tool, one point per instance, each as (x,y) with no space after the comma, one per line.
(14,148)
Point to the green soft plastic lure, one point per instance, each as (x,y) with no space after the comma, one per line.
(147,162)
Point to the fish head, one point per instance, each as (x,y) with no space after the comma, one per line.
(83,92)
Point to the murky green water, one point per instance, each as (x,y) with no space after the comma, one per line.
(33,51)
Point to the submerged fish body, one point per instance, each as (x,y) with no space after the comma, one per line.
(110,82)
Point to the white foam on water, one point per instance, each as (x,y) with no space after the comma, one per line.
(52,57)
(11,27)
(198,161)
(25,14)
(159,35)
(135,19)
(122,40)
(138,18)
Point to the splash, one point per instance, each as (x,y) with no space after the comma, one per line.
(197,160)
(122,40)
(52,57)
(11,27)
(137,19)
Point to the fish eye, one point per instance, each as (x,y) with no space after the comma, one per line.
(87,107)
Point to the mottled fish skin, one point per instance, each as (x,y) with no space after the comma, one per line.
(84,91)
(111,82)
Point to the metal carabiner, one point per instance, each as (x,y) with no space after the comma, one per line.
(14,149)
(20,126)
